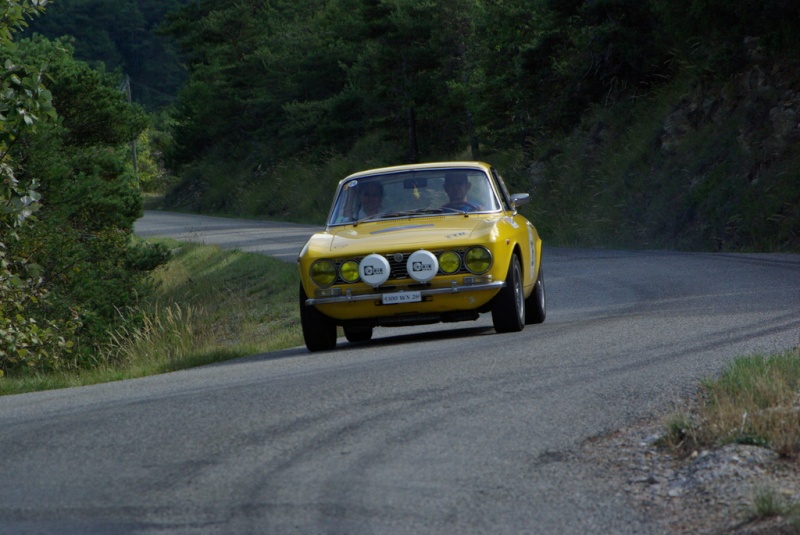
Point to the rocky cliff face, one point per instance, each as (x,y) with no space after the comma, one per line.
(767,104)
(705,163)
(749,132)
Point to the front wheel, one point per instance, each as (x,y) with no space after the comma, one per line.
(508,307)
(319,331)
(535,304)
(358,334)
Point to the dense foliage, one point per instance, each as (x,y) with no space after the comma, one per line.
(282,94)
(68,270)
(286,76)
(120,34)
(24,101)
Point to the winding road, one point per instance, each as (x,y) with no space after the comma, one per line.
(441,429)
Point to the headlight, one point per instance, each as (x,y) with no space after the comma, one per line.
(323,272)
(374,269)
(349,271)
(422,266)
(449,262)
(478,260)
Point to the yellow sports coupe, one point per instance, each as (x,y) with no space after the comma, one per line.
(419,244)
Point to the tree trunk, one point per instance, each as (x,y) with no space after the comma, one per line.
(412,154)
(474,147)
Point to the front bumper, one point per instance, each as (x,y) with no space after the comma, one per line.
(454,288)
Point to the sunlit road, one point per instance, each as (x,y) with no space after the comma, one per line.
(281,240)
(444,429)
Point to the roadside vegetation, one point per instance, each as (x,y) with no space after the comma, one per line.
(69,197)
(208,305)
(755,401)
(644,124)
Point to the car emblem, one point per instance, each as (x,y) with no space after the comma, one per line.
(398,257)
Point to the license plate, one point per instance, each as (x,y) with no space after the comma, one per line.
(401,297)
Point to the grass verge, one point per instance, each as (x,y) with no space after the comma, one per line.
(755,401)
(209,305)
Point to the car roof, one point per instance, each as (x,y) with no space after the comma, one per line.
(419,167)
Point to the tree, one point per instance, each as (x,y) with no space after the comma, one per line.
(67,270)
(252,67)
(288,77)
(24,102)
(412,52)
(82,239)
(120,34)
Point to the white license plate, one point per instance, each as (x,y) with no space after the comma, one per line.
(401,297)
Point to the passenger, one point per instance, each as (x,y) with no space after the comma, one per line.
(456,185)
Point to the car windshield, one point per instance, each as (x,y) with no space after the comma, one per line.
(413,193)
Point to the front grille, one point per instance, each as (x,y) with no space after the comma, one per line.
(397,264)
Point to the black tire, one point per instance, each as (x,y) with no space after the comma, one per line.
(536,304)
(358,334)
(508,307)
(319,331)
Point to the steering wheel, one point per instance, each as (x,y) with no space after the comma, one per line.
(461,206)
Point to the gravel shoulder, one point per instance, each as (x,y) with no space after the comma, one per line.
(707,492)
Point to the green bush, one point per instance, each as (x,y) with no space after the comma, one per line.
(81,242)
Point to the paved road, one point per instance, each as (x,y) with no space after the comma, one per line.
(281,240)
(448,429)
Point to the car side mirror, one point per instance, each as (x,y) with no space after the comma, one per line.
(520,199)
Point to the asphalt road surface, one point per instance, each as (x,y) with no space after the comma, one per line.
(444,429)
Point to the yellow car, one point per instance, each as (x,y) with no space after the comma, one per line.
(419,244)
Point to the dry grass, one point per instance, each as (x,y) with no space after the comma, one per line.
(165,335)
(755,402)
(767,503)
(209,305)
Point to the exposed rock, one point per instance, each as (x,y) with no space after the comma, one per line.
(710,491)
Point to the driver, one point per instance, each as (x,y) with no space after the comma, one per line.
(456,185)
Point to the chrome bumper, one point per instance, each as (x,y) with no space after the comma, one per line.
(454,289)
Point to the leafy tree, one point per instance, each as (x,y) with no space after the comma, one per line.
(546,62)
(518,81)
(24,102)
(412,51)
(287,77)
(121,34)
(249,63)
(82,240)
(64,277)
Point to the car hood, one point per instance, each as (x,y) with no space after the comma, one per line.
(416,233)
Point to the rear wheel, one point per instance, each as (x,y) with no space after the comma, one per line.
(508,307)
(319,331)
(535,304)
(358,334)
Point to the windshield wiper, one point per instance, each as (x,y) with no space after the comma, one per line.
(402,213)
(367,218)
